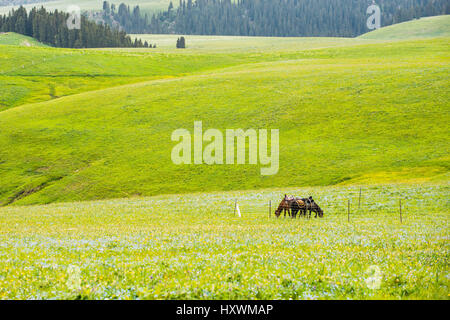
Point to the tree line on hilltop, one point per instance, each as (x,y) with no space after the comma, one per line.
(130,20)
(51,28)
(19,2)
(311,18)
(333,18)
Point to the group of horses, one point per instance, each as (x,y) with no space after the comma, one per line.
(296,205)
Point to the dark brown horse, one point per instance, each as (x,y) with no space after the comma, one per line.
(312,206)
(285,205)
(298,205)
(294,205)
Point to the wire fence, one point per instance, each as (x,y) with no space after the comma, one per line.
(358,203)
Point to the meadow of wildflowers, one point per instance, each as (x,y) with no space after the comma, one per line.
(192,247)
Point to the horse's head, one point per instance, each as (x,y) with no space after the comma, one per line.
(278,211)
(288,198)
(315,207)
(319,211)
(280,207)
(284,204)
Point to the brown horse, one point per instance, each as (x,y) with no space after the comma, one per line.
(294,205)
(312,206)
(298,205)
(285,205)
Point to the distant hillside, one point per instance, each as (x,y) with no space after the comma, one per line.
(148,6)
(20,2)
(429,27)
(364,113)
(15,39)
(294,18)
(287,18)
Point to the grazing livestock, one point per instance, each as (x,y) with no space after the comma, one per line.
(285,205)
(296,205)
(314,207)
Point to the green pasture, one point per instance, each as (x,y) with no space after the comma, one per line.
(227,44)
(429,27)
(192,247)
(14,39)
(92,207)
(365,113)
(31,75)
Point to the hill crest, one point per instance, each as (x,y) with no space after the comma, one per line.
(428,27)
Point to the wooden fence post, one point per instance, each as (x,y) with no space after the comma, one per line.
(235,204)
(400,203)
(348,214)
(359,202)
(270,208)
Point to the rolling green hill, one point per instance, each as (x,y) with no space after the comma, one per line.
(348,114)
(47,73)
(429,27)
(14,39)
(363,128)
(227,44)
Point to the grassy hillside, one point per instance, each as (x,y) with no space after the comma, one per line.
(226,44)
(363,124)
(429,27)
(190,247)
(14,39)
(39,74)
(148,6)
(43,74)
(366,113)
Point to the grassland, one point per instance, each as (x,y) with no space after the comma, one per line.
(79,125)
(32,75)
(14,39)
(366,113)
(233,44)
(429,27)
(189,247)
(42,74)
